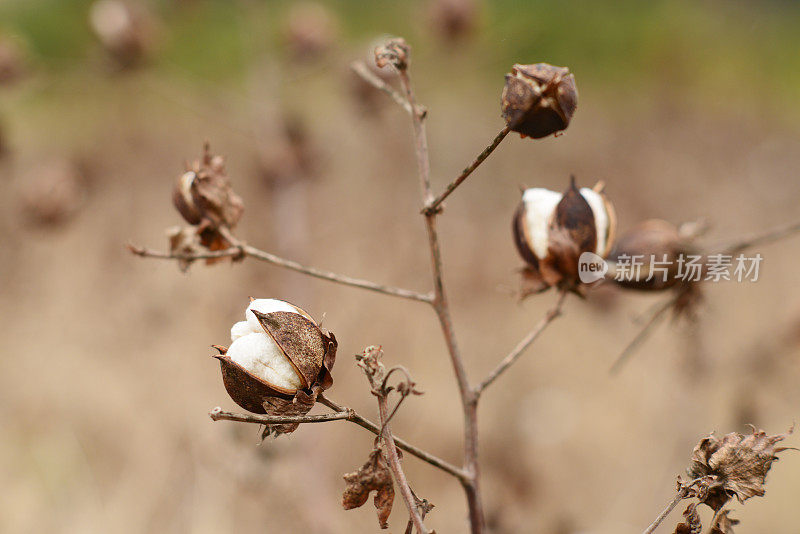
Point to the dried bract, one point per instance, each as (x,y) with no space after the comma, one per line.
(184,241)
(539,100)
(279,360)
(372,476)
(394,52)
(553,230)
(736,465)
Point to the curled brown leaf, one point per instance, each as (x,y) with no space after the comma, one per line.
(374,475)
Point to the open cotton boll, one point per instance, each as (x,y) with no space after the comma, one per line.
(241,329)
(260,355)
(601,220)
(265,306)
(539,206)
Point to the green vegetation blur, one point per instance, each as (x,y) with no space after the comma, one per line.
(695,48)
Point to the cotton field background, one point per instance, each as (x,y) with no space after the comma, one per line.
(687,111)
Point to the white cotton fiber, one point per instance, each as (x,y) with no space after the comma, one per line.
(539,206)
(261,356)
(265,306)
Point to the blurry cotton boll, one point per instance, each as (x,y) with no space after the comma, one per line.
(553,230)
(454,20)
(549,416)
(53,192)
(12,60)
(125,29)
(311,30)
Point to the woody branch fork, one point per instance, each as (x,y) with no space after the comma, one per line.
(396,54)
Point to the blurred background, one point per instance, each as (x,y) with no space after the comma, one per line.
(687,110)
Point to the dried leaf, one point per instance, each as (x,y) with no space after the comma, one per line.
(372,476)
(738,464)
(692,524)
(300,404)
(184,241)
(723,524)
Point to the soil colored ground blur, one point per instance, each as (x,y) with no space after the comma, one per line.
(686,111)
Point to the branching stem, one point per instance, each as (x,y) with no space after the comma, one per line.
(514,355)
(433,206)
(248,251)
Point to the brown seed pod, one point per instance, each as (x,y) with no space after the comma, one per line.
(204,198)
(552,231)
(274,357)
(653,240)
(125,29)
(539,100)
(300,339)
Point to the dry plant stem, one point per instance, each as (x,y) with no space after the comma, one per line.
(360,68)
(662,308)
(514,355)
(218,414)
(393,460)
(247,250)
(671,506)
(404,445)
(760,239)
(469,399)
(434,205)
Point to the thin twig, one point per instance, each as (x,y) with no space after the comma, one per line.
(630,349)
(514,355)
(469,400)
(394,464)
(374,370)
(218,414)
(360,68)
(402,444)
(768,236)
(679,496)
(434,205)
(255,253)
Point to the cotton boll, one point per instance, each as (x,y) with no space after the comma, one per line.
(266,306)
(539,206)
(240,329)
(262,357)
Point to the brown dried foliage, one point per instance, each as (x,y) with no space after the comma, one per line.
(734,466)
(376,476)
